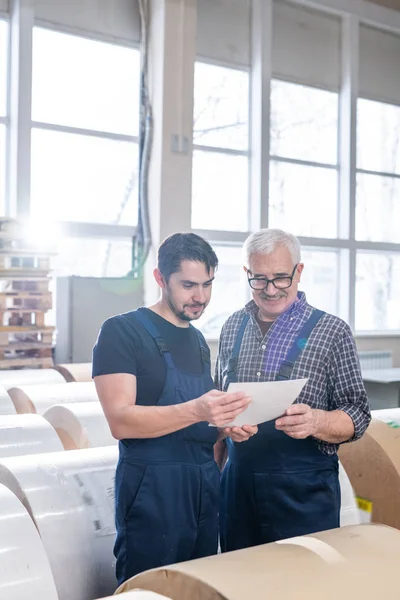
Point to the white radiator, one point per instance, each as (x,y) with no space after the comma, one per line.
(376,359)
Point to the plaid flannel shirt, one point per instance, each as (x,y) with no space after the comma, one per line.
(329,360)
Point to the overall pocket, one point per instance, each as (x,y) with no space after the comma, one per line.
(128,484)
(291,504)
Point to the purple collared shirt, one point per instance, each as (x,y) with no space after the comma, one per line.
(329,360)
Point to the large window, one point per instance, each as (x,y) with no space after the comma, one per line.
(220,184)
(303,174)
(93,257)
(84,148)
(230,290)
(3,109)
(85,122)
(320,278)
(221,149)
(83,178)
(378,177)
(378,291)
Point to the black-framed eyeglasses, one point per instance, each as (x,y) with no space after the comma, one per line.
(280,283)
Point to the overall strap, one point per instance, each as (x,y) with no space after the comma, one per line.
(155,334)
(298,345)
(204,349)
(232,364)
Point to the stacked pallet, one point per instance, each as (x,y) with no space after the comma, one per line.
(25,340)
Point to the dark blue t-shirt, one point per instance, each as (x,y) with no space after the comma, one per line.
(124,346)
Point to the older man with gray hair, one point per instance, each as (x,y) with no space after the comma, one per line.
(284,481)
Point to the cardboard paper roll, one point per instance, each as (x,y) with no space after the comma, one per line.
(75,371)
(14,377)
(347,562)
(38,398)
(6,404)
(349,513)
(80,425)
(373,467)
(27,434)
(24,568)
(70,497)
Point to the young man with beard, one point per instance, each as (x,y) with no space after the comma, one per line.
(152,374)
(284,481)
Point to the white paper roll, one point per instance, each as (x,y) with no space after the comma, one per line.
(24,568)
(6,404)
(14,377)
(80,425)
(27,434)
(38,398)
(138,595)
(390,416)
(349,513)
(76,371)
(70,496)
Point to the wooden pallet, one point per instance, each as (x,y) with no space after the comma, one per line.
(12,261)
(25,300)
(25,284)
(19,351)
(12,363)
(23,317)
(35,335)
(23,273)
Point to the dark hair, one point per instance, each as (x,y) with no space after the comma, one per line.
(184,246)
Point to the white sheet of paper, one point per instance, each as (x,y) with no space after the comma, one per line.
(270,399)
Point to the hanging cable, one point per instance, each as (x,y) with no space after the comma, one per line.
(142,241)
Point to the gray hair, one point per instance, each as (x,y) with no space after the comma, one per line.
(266,240)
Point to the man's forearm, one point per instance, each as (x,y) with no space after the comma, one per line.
(334,426)
(153,421)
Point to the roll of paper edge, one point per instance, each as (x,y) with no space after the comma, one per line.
(27,434)
(24,566)
(319,565)
(80,425)
(75,371)
(38,398)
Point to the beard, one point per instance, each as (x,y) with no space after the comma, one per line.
(184,313)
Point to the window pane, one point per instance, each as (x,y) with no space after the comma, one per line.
(377,291)
(79,82)
(79,178)
(220,191)
(304,122)
(3,67)
(229,291)
(2,167)
(91,257)
(378,140)
(378,208)
(320,277)
(303,199)
(221,107)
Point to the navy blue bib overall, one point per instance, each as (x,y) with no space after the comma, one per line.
(273,486)
(167,488)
